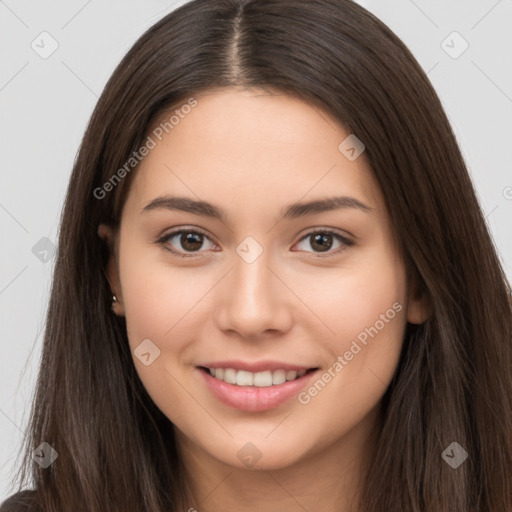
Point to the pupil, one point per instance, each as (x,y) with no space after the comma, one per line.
(191,241)
(321,240)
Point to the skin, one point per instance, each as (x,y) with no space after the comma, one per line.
(251,153)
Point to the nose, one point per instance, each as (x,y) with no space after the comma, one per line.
(253,300)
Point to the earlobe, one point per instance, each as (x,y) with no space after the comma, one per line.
(419,307)
(106,233)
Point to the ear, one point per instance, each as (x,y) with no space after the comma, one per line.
(107,234)
(419,305)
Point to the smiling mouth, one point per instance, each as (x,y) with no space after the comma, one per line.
(262,379)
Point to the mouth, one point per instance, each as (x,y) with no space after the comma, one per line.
(266,387)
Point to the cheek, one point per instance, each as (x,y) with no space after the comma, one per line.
(369,322)
(371,292)
(366,309)
(159,302)
(155,295)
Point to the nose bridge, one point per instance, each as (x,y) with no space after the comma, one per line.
(252,280)
(253,299)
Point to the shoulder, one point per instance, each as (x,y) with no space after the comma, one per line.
(24,501)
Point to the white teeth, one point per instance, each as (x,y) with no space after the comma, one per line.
(259,379)
(278,377)
(230,376)
(291,375)
(244,378)
(263,379)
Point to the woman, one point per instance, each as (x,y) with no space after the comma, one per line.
(275,289)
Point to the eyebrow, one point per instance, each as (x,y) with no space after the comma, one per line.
(291,211)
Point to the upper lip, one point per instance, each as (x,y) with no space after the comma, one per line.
(257,366)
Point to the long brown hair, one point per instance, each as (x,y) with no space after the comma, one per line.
(117,451)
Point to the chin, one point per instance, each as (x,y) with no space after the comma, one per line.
(257,453)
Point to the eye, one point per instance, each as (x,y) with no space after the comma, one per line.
(189,240)
(322,241)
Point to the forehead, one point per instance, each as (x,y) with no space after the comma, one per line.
(244,149)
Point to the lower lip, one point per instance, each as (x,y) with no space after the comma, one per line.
(252,398)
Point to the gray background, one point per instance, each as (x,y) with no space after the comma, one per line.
(46,103)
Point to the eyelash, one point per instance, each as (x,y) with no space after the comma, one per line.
(345,241)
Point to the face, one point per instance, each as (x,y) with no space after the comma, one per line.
(256,319)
